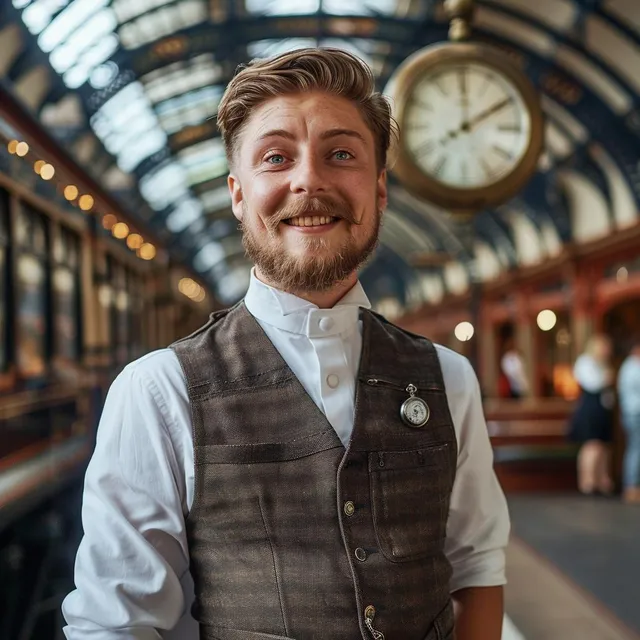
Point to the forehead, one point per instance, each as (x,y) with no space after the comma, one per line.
(304,115)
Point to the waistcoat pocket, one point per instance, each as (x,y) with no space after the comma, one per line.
(410,500)
(208,633)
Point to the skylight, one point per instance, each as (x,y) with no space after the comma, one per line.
(128,127)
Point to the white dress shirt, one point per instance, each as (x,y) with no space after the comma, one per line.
(132,568)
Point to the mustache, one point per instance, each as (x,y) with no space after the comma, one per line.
(322,206)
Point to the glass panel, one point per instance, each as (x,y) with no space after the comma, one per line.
(31,316)
(4,241)
(65,290)
(3,307)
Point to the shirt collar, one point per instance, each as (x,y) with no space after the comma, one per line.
(290,313)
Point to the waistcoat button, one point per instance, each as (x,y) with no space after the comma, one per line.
(349,508)
(361,554)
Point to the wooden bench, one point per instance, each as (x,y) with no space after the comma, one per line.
(531,452)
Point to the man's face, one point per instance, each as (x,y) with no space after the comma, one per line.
(307,191)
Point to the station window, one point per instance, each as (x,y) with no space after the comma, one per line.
(31,293)
(136,315)
(66,298)
(119,317)
(4,289)
(555,359)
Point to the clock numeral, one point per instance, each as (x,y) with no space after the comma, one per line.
(462,79)
(488,171)
(424,105)
(425,149)
(465,171)
(502,152)
(483,88)
(438,82)
(437,170)
(509,128)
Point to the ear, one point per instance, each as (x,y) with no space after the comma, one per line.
(381,190)
(237,198)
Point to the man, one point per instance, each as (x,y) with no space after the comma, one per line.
(296,459)
(629,395)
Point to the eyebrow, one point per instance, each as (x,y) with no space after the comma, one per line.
(330,133)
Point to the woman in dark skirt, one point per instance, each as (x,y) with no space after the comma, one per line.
(592,422)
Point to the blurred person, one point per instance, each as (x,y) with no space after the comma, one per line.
(512,366)
(592,422)
(299,467)
(629,399)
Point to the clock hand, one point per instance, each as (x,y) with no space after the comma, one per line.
(483,115)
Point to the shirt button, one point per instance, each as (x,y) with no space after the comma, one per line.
(325,324)
(361,554)
(333,380)
(349,508)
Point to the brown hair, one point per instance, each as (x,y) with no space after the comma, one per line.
(332,71)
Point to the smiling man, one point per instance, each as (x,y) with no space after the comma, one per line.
(299,467)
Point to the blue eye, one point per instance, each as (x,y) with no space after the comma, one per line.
(345,155)
(276,156)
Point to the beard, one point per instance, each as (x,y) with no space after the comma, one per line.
(322,267)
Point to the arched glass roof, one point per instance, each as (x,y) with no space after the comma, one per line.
(134,86)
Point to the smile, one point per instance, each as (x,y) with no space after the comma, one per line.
(310,221)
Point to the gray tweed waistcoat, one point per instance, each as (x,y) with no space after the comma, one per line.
(292,536)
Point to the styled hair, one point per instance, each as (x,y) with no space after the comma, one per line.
(332,71)
(594,343)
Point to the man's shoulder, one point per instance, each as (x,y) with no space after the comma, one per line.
(457,371)
(159,370)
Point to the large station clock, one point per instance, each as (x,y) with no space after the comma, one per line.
(471,125)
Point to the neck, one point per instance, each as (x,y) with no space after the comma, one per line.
(322,299)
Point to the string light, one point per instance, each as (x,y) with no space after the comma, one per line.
(71,192)
(546,320)
(191,289)
(47,172)
(86,202)
(135,241)
(120,230)
(464,331)
(109,221)
(147,251)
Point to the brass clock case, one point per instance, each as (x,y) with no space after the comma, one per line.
(426,186)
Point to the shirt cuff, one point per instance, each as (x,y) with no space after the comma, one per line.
(486,569)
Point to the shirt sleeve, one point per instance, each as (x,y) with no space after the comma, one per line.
(589,374)
(478,526)
(133,555)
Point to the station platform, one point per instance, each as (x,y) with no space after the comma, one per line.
(573,566)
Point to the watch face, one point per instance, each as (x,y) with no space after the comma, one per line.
(415,412)
(466,125)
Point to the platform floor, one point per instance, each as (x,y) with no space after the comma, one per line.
(574,568)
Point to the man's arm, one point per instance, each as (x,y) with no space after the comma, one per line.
(133,554)
(479,612)
(478,524)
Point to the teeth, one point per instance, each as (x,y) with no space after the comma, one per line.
(310,221)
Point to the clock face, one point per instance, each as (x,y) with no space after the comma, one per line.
(466,125)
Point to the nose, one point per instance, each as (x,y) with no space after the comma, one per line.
(307,176)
